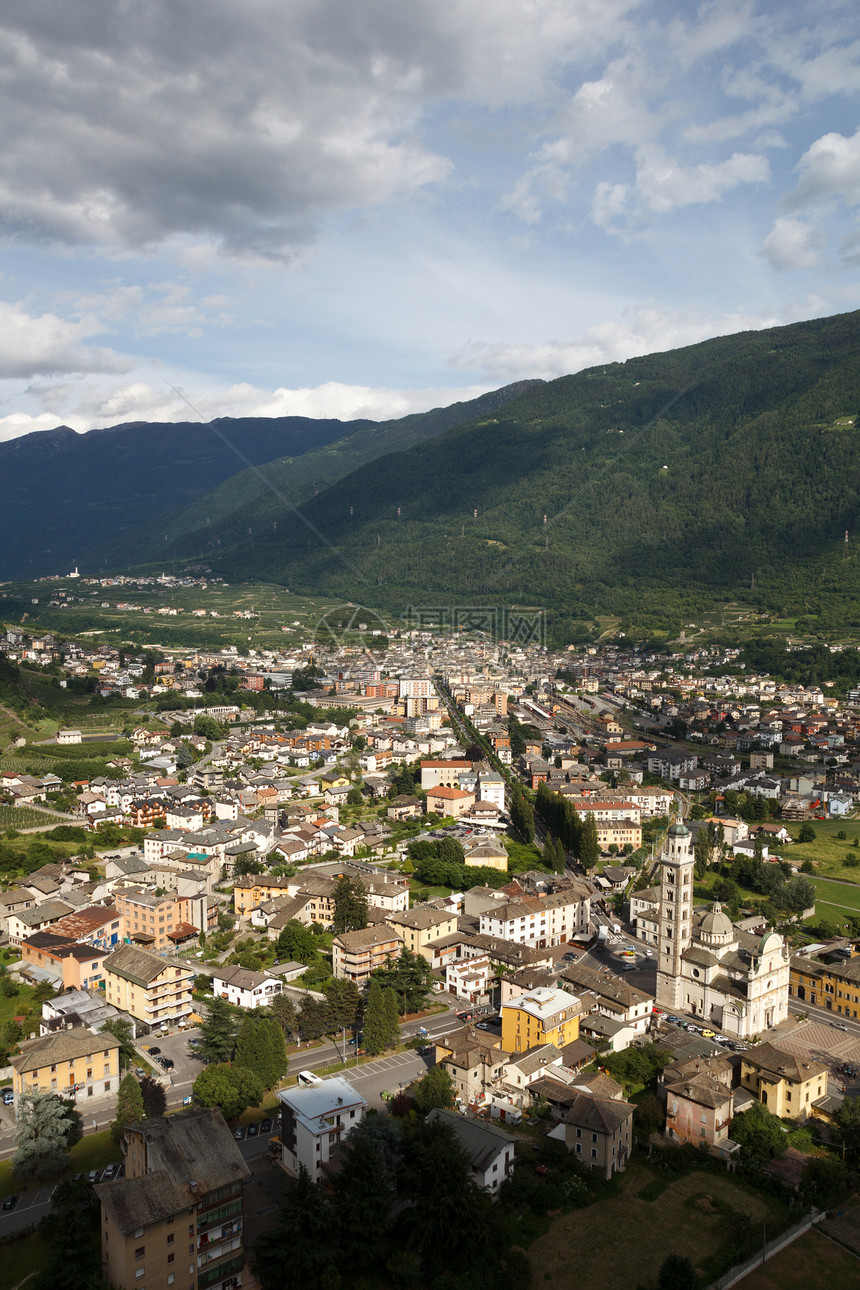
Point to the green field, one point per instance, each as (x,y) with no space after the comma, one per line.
(828,852)
(25,817)
(833,898)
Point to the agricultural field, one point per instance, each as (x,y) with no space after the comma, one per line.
(25,817)
(278,618)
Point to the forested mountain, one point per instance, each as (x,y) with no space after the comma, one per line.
(650,487)
(253,500)
(122,495)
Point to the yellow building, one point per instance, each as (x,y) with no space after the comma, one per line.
(254,890)
(73,1063)
(419,928)
(149,987)
(783,1083)
(542,1016)
(834,986)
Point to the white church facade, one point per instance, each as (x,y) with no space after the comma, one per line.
(733,980)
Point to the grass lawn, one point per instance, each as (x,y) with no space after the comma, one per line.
(827,852)
(813,1260)
(21,1258)
(689,1217)
(833,898)
(92,1152)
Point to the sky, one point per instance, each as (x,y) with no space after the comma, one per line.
(367,208)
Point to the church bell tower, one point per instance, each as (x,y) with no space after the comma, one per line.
(676,910)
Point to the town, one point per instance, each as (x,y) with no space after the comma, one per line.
(393,921)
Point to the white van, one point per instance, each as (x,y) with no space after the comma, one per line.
(308,1077)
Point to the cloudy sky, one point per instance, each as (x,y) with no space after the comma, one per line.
(368,207)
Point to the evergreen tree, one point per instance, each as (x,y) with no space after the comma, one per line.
(522,814)
(218,1032)
(589,847)
(300,1251)
(154,1097)
(392,1012)
(435,1089)
(122,1030)
(313,1018)
(450,1223)
(350,904)
(344,1001)
(70,1232)
(46,1127)
(376,1022)
(364,1197)
(702,851)
(283,1010)
(129,1107)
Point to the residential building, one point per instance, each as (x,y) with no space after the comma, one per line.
(177,1217)
(613,996)
(828,980)
(542,1016)
(151,988)
(785,1084)
(490,1151)
(74,1063)
(445,800)
(476,1062)
(244,988)
(699,1101)
(418,928)
(356,954)
(469,979)
(599,1131)
(539,920)
(315,1119)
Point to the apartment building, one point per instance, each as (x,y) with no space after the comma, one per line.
(315,1119)
(421,927)
(538,921)
(177,1217)
(542,1016)
(356,954)
(785,1084)
(151,988)
(73,1063)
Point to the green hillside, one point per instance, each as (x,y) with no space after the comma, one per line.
(647,489)
(250,501)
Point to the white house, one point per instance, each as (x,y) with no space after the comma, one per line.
(490,1151)
(244,988)
(315,1118)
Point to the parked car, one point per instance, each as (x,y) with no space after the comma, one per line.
(239,1134)
(708,1034)
(110,1172)
(8,1097)
(265,1126)
(838,1025)
(10,1202)
(93,1175)
(253,1130)
(153,1052)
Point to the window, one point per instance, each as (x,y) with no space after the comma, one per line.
(594,1137)
(141,1272)
(170,1258)
(140,1251)
(594,1153)
(171,1237)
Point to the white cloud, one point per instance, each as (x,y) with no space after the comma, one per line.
(38,344)
(829,172)
(665,184)
(649,331)
(792,244)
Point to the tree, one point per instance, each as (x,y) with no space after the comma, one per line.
(350,905)
(299,1252)
(47,1126)
(122,1030)
(589,847)
(702,851)
(677,1273)
(807,833)
(231,1088)
(283,1010)
(450,1222)
(154,1097)
(129,1107)
(826,1182)
(296,943)
(248,864)
(847,1119)
(436,1089)
(313,1018)
(344,1001)
(364,1196)
(410,977)
(353,797)
(70,1231)
(522,814)
(760,1134)
(218,1032)
(260,1048)
(392,1012)
(376,1024)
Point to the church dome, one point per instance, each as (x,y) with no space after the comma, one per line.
(716,925)
(678,830)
